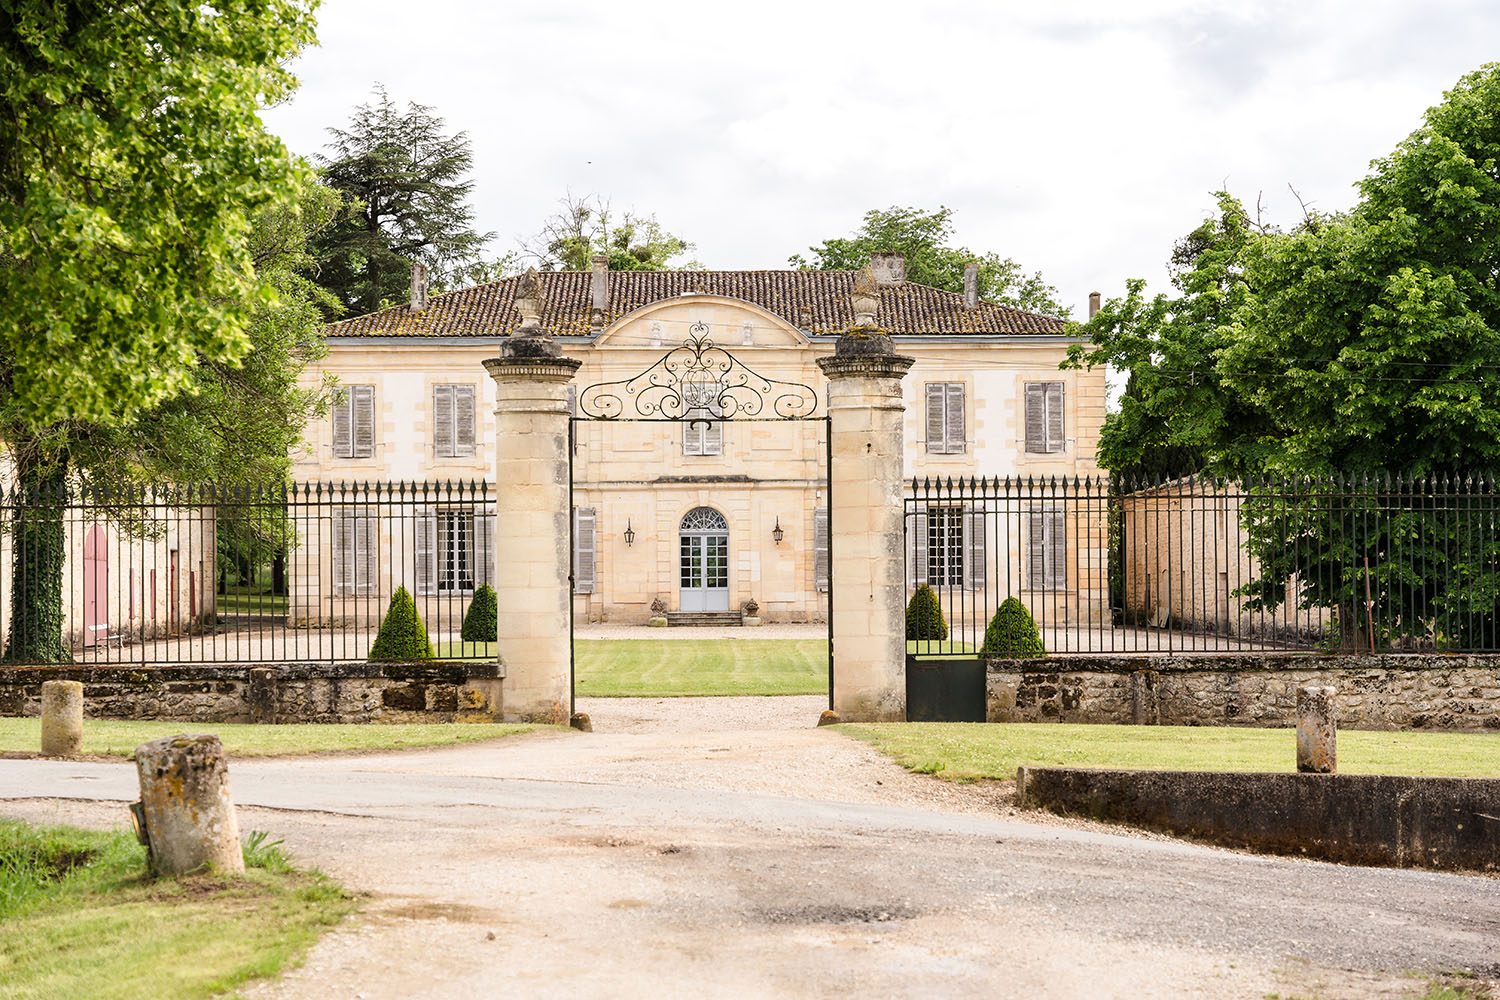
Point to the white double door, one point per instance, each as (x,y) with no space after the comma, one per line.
(704,568)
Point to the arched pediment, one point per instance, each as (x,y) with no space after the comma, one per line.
(733,324)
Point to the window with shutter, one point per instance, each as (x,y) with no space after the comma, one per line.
(343,426)
(945,546)
(700,434)
(1044,418)
(820,548)
(362,399)
(455,550)
(585,522)
(484,545)
(425,556)
(917,550)
(354,553)
(1047,549)
(946,424)
(442,420)
(452,420)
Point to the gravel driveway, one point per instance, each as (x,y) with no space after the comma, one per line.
(725,848)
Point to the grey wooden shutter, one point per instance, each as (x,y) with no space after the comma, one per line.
(937,424)
(955,434)
(713,439)
(918,548)
(365,553)
(692,438)
(1036,549)
(1036,418)
(1057,550)
(364,420)
(442,420)
(820,548)
(426,552)
(484,547)
(975,560)
(343,425)
(463,419)
(1055,439)
(585,522)
(343,553)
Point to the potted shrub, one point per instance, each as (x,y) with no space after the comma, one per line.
(402,635)
(1012,632)
(924,617)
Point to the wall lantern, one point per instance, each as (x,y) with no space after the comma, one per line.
(629,533)
(776,532)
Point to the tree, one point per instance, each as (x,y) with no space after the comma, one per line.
(1359,345)
(924,239)
(924,616)
(402,636)
(1012,632)
(587,226)
(482,618)
(132,161)
(406,185)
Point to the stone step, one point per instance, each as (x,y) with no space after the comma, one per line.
(678,619)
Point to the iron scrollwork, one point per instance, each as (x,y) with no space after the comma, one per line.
(698,380)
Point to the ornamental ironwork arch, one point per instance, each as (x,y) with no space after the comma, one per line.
(703,519)
(697,381)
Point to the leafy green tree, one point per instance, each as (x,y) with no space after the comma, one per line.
(587,226)
(1359,345)
(402,636)
(406,184)
(1012,632)
(925,240)
(132,162)
(924,616)
(482,619)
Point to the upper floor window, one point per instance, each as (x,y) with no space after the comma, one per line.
(1044,418)
(945,418)
(354,422)
(453,420)
(701,433)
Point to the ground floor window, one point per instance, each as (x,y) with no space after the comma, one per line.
(453,550)
(945,546)
(354,553)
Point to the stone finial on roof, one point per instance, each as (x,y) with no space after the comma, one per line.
(529,301)
(864,301)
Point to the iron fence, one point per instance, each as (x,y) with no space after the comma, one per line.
(296,573)
(1202,565)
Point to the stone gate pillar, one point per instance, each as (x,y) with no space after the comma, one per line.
(532,548)
(865,517)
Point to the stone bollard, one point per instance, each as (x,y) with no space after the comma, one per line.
(189,818)
(62,718)
(1317,733)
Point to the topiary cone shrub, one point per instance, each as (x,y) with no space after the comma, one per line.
(481,620)
(924,616)
(402,635)
(1012,632)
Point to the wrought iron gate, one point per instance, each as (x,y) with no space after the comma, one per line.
(700,386)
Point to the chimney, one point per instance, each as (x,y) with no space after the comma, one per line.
(599,284)
(971,284)
(1093,304)
(889,268)
(418,286)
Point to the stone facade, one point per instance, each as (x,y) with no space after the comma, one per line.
(307,692)
(1375,692)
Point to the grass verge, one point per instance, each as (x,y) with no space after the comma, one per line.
(969,751)
(80,918)
(109,738)
(673,668)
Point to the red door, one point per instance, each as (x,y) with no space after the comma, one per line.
(95,587)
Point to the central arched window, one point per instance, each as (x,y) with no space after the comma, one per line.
(704,519)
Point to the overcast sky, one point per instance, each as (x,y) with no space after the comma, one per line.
(1079,138)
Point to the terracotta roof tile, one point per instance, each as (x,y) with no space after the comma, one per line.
(815,301)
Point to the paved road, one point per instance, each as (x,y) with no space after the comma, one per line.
(710,861)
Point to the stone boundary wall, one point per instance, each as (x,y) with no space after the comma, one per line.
(1363,819)
(1384,691)
(298,692)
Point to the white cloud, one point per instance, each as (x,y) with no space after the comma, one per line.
(1079,137)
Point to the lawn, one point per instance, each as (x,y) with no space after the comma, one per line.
(108,738)
(236,599)
(80,918)
(671,668)
(966,751)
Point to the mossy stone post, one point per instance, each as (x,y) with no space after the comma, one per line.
(188,815)
(62,718)
(1317,731)
(533,591)
(865,514)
